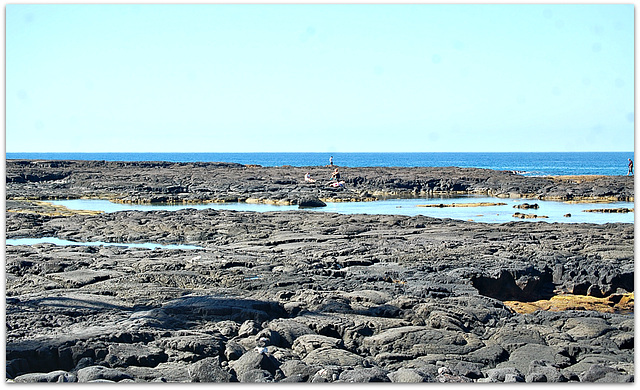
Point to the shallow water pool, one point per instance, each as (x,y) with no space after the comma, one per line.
(58,241)
(555,211)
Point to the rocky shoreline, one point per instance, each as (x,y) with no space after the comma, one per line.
(301,296)
(155,182)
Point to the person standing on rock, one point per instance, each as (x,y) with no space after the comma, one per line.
(331,160)
(630,172)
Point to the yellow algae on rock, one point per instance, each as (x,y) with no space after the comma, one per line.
(51,210)
(616,303)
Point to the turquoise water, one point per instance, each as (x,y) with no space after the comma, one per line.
(489,214)
(58,241)
(531,164)
(555,212)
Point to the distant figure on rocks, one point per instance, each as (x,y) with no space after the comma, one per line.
(331,160)
(308,178)
(630,172)
(335,175)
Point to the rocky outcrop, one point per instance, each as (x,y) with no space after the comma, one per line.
(610,210)
(526,206)
(528,216)
(302,296)
(311,201)
(153,182)
(298,297)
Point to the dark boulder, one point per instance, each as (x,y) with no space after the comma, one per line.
(209,370)
(124,355)
(310,201)
(253,360)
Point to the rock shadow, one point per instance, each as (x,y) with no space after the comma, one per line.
(224,308)
(527,288)
(70,303)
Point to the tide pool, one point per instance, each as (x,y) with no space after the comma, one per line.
(555,211)
(58,241)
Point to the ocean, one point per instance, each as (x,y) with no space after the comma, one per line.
(529,164)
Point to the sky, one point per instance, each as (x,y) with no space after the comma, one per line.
(319,77)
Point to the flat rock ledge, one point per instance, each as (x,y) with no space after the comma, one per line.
(165,182)
(302,296)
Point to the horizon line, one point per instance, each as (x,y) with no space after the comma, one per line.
(331,152)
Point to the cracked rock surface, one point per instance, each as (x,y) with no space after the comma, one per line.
(301,296)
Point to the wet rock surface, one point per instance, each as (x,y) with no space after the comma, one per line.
(301,296)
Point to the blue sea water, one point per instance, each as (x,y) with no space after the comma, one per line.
(530,164)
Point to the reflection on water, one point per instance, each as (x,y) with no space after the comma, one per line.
(555,211)
(58,241)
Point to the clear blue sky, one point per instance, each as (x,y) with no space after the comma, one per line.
(319,78)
